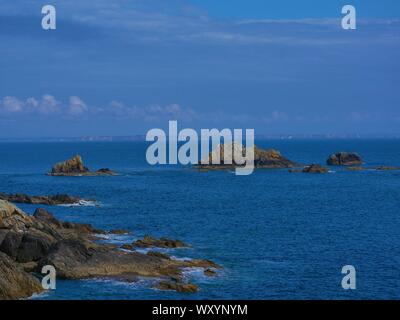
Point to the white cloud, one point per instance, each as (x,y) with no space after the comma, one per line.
(76,106)
(11,105)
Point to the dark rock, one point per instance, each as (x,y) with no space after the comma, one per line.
(386,168)
(39,240)
(356,168)
(199,263)
(15,283)
(127,247)
(209,273)
(11,243)
(344,159)
(176,286)
(315,168)
(46,216)
(45,200)
(159,255)
(150,242)
(34,246)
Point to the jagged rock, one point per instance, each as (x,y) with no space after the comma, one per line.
(72,166)
(150,242)
(46,200)
(176,286)
(15,283)
(344,159)
(41,239)
(75,167)
(315,168)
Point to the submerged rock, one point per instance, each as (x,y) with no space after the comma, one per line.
(344,159)
(386,168)
(209,273)
(357,168)
(75,167)
(315,168)
(54,200)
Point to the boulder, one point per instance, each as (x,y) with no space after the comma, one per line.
(15,283)
(344,159)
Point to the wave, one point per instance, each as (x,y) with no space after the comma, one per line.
(82,203)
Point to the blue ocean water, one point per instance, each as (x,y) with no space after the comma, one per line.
(279,235)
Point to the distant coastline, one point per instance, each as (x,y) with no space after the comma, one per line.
(142,137)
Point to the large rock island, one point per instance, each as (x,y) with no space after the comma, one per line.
(268,159)
(27,243)
(75,167)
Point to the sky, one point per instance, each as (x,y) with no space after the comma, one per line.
(119,67)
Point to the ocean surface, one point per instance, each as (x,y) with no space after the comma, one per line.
(278,235)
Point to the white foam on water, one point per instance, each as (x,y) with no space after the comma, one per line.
(81,203)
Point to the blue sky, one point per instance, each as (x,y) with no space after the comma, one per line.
(123,67)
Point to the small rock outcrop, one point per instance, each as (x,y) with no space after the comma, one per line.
(315,168)
(54,200)
(344,159)
(150,242)
(75,167)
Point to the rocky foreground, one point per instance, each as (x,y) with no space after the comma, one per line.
(76,167)
(27,243)
(54,200)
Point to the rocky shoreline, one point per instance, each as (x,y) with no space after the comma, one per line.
(27,243)
(54,200)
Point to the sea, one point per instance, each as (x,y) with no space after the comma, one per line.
(278,235)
